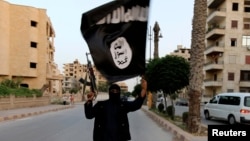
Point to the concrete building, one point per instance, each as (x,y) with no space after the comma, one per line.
(227,53)
(27,48)
(123,86)
(182,52)
(73,72)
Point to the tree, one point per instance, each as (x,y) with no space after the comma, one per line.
(137,90)
(196,64)
(103,87)
(167,74)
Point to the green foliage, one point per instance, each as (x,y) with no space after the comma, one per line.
(10,83)
(37,92)
(170,111)
(185,117)
(8,87)
(73,91)
(127,94)
(21,91)
(103,87)
(4,91)
(137,90)
(169,74)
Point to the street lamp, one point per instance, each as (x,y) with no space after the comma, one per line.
(150,38)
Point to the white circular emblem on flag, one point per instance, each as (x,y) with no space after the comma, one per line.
(121,52)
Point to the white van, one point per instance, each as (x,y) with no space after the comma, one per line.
(232,107)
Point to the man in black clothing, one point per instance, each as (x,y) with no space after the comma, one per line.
(111,120)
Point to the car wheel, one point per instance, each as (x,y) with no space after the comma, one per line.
(207,116)
(231,120)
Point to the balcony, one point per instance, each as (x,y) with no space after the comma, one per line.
(214,49)
(213,66)
(216,15)
(215,32)
(213,83)
(214,3)
(244,83)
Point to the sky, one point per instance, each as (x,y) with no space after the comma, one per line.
(174,18)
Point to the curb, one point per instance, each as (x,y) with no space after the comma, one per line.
(24,115)
(179,134)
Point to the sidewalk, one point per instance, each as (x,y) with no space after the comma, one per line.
(179,134)
(13,114)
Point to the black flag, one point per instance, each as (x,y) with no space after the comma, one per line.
(116,35)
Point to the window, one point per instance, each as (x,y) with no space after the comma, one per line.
(233,42)
(33,44)
(246,26)
(247,9)
(244,75)
(232,59)
(214,99)
(32,65)
(246,6)
(231,76)
(246,23)
(24,85)
(234,24)
(246,41)
(33,23)
(247,101)
(223,100)
(235,6)
(229,100)
(247,59)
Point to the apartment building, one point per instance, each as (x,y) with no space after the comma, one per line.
(182,52)
(227,53)
(73,72)
(27,48)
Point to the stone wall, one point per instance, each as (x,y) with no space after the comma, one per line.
(13,102)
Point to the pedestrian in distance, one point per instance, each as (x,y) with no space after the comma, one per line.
(111,120)
(71,99)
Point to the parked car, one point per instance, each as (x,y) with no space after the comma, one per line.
(231,107)
(181,102)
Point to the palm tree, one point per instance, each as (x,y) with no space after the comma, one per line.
(196,64)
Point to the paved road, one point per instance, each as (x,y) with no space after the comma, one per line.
(26,113)
(71,124)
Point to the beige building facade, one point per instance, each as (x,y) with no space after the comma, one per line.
(27,48)
(75,71)
(182,52)
(227,53)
